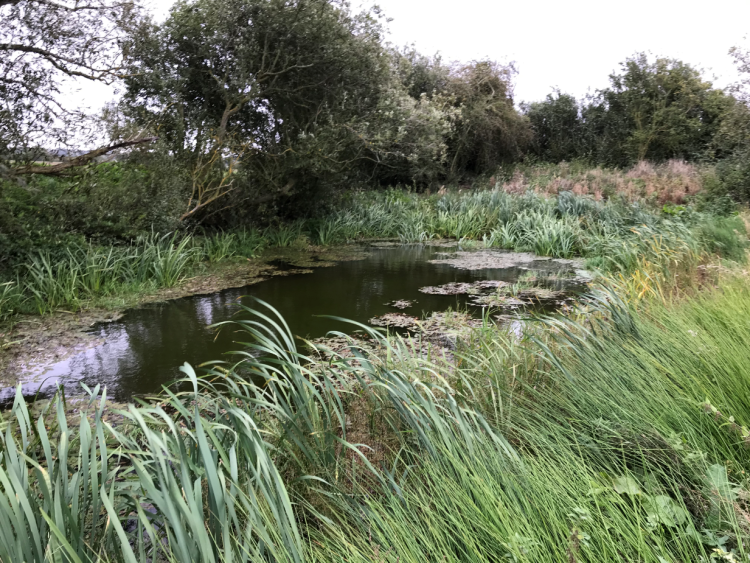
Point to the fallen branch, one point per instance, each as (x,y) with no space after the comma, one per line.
(84,159)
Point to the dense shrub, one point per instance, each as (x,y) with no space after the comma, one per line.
(107,203)
(652,110)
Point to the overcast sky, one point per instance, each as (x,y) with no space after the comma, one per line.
(573,44)
(568,44)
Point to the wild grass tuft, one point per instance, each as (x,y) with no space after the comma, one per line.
(220,246)
(11,299)
(619,436)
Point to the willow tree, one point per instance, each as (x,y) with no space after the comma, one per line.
(489,130)
(42,44)
(272,88)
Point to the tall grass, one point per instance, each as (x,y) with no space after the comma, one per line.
(220,246)
(11,300)
(284,235)
(169,260)
(618,437)
(629,440)
(85,272)
(197,478)
(614,236)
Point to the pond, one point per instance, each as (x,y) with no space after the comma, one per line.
(143,350)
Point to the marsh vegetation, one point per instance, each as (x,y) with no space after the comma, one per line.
(611,425)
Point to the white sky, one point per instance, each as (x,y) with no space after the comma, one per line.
(573,44)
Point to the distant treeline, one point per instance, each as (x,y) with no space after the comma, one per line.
(271,109)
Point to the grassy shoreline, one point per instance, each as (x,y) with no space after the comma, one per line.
(617,437)
(638,246)
(612,234)
(615,434)
(30,341)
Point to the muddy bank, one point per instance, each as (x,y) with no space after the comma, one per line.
(32,342)
(135,352)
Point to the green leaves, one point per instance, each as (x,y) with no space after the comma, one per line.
(661,509)
(626,486)
(718,483)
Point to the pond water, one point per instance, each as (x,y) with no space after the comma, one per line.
(142,350)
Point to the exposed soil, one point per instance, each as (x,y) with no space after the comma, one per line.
(32,342)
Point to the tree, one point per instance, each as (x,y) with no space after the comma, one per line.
(489,130)
(654,110)
(420,74)
(558,128)
(731,143)
(44,42)
(283,84)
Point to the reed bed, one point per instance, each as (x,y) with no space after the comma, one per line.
(615,436)
(612,235)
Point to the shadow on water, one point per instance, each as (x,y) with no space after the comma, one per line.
(143,350)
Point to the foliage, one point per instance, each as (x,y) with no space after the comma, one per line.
(309,99)
(112,202)
(731,144)
(48,282)
(666,108)
(10,300)
(286,90)
(42,43)
(721,237)
(220,246)
(619,436)
(489,131)
(559,131)
(652,110)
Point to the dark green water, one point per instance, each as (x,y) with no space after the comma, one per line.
(143,350)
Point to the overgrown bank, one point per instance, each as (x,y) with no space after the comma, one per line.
(619,437)
(614,219)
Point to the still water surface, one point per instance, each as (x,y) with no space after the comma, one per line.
(143,350)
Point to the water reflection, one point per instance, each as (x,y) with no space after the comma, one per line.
(144,349)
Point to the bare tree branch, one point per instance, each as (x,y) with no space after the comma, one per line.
(54,59)
(61,168)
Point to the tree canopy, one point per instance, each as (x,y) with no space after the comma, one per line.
(237,109)
(42,42)
(653,110)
